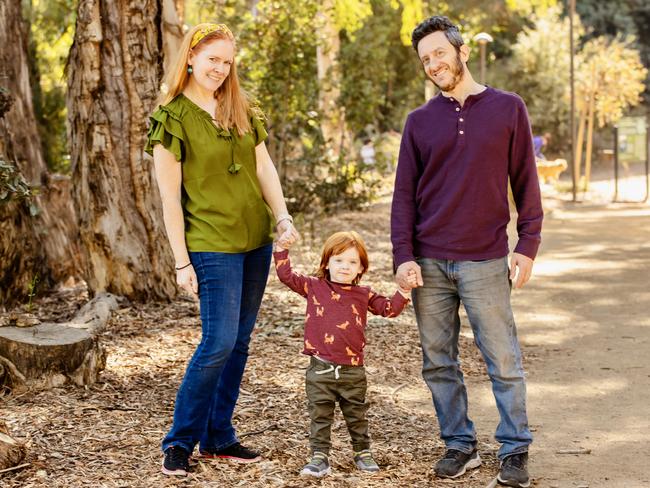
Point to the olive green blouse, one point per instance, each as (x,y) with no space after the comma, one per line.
(221,196)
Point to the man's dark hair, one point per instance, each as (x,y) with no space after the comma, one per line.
(435,24)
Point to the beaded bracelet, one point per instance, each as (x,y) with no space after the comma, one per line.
(183,267)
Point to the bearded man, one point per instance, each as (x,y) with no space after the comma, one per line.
(448,226)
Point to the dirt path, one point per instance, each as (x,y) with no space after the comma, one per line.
(588,310)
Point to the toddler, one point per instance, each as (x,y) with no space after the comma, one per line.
(334,339)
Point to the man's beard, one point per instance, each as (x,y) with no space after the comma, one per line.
(457,73)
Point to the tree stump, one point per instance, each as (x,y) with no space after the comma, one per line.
(49,354)
(12,452)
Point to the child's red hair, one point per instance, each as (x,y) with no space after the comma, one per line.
(338,243)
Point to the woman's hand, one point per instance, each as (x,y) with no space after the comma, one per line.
(287,234)
(186,279)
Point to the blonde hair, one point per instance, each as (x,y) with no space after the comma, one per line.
(235,106)
(338,243)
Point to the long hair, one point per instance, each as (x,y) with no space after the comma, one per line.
(235,105)
(338,243)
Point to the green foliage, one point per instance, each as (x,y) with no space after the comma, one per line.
(530,7)
(51,35)
(278,59)
(614,71)
(350,14)
(382,78)
(629,18)
(539,72)
(31,293)
(12,185)
(412,15)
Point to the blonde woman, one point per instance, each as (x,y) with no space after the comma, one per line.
(221,199)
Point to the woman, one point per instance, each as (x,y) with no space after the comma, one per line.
(217,183)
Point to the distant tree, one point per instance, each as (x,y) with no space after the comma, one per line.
(539,72)
(629,18)
(611,80)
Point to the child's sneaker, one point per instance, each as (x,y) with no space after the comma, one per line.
(235,452)
(176,461)
(318,466)
(365,462)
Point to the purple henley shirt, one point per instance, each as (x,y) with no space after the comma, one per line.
(451,187)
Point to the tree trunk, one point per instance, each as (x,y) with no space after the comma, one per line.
(116,64)
(172,29)
(11,452)
(579,140)
(333,123)
(50,354)
(180,10)
(45,246)
(590,127)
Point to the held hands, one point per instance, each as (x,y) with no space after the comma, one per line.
(522,267)
(287,235)
(408,276)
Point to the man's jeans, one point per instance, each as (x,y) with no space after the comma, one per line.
(230,293)
(484,289)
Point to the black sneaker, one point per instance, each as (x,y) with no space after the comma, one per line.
(454,463)
(235,452)
(176,461)
(514,471)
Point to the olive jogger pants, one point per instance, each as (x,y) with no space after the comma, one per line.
(326,384)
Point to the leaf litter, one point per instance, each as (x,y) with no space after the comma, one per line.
(109,434)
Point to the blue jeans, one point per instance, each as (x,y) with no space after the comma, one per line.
(230,293)
(484,289)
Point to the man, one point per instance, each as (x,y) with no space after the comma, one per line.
(448,226)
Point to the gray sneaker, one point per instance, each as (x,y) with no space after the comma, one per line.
(514,471)
(318,466)
(454,463)
(365,462)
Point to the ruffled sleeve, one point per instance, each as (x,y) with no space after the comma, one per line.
(259,132)
(166,129)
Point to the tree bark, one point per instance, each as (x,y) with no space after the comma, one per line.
(333,123)
(11,452)
(116,64)
(172,29)
(579,141)
(180,10)
(44,246)
(590,127)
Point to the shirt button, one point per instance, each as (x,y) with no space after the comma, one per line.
(461,132)
(462,119)
(457,109)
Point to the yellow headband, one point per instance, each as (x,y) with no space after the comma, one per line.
(209,29)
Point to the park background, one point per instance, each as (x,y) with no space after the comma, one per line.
(80,217)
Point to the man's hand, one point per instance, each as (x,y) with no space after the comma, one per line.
(409,275)
(522,267)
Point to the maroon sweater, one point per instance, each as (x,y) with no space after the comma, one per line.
(451,187)
(335,320)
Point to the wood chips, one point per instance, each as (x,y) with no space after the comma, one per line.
(109,434)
